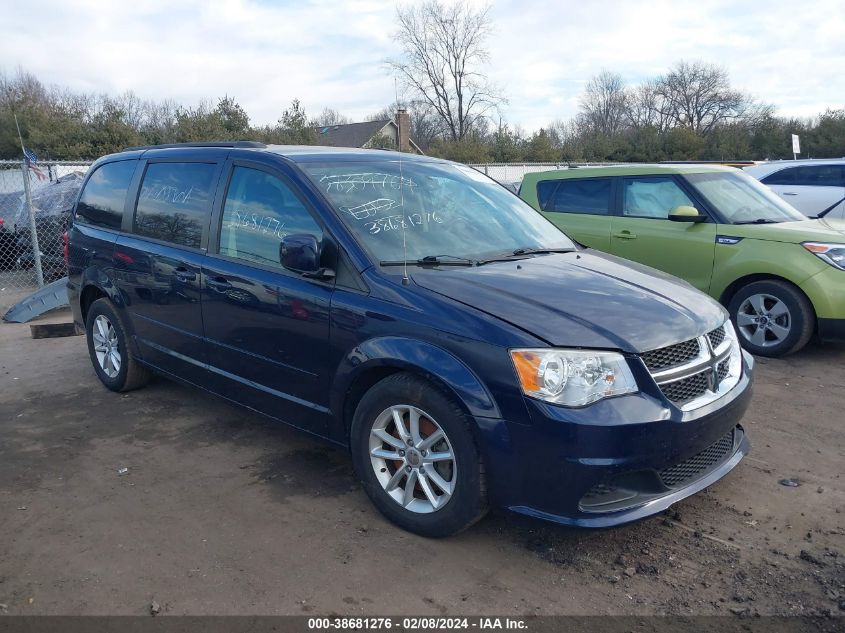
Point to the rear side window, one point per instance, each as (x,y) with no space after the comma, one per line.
(809,175)
(102,200)
(260,210)
(174,203)
(575,196)
(819,176)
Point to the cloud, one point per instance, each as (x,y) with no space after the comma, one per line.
(332,53)
(783,53)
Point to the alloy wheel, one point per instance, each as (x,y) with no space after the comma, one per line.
(413,459)
(764,320)
(106,346)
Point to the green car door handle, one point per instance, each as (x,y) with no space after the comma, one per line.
(625,235)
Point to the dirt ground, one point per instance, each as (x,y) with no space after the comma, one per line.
(224,512)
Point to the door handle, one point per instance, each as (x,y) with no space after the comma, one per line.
(625,235)
(789,193)
(219,284)
(183,274)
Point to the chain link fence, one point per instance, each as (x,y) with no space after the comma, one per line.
(35,204)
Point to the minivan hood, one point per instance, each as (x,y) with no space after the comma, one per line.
(809,230)
(582,299)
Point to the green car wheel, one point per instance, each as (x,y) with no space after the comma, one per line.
(772,318)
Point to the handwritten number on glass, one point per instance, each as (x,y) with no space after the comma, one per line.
(346,183)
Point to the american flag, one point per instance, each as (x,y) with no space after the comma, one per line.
(31,161)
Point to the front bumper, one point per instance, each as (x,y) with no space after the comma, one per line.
(619,460)
(832,330)
(826,291)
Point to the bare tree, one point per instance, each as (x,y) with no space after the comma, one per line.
(160,121)
(699,96)
(604,102)
(132,107)
(645,107)
(330,116)
(443,53)
(21,90)
(426,126)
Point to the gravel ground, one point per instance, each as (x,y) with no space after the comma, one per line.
(224,512)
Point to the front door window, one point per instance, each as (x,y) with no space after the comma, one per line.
(653,197)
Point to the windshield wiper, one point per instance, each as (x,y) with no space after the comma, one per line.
(759,221)
(540,251)
(432,260)
(521,253)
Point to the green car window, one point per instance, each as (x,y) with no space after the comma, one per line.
(575,196)
(652,197)
(739,198)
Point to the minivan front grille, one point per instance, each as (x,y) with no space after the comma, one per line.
(686,389)
(716,336)
(696,371)
(670,356)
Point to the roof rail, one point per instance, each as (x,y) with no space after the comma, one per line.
(199,144)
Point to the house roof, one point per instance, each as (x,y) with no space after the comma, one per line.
(349,135)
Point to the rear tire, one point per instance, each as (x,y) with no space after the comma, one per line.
(772,318)
(426,474)
(108,345)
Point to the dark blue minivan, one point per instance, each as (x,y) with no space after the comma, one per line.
(463,349)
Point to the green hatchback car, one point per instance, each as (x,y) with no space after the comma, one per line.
(780,275)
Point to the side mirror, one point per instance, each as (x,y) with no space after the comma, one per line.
(301,254)
(686,214)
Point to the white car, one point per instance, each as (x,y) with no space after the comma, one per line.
(811,186)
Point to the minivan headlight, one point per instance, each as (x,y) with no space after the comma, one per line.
(572,378)
(833,254)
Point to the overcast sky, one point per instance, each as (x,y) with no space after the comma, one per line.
(265,53)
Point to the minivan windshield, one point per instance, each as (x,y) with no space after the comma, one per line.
(740,199)
(447,212)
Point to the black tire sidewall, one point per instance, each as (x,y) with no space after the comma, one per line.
(467,503)
(103,307)
(798,311)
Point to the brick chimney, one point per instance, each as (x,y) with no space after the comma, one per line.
(403,122)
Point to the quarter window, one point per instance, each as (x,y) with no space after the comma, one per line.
(102,200)
(260,210)
(653,197)
(591,197)
(173,205)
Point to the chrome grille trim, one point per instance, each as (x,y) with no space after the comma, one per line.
(703,378)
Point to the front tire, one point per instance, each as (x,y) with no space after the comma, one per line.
(108,345)
(772,318)
(415,454)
